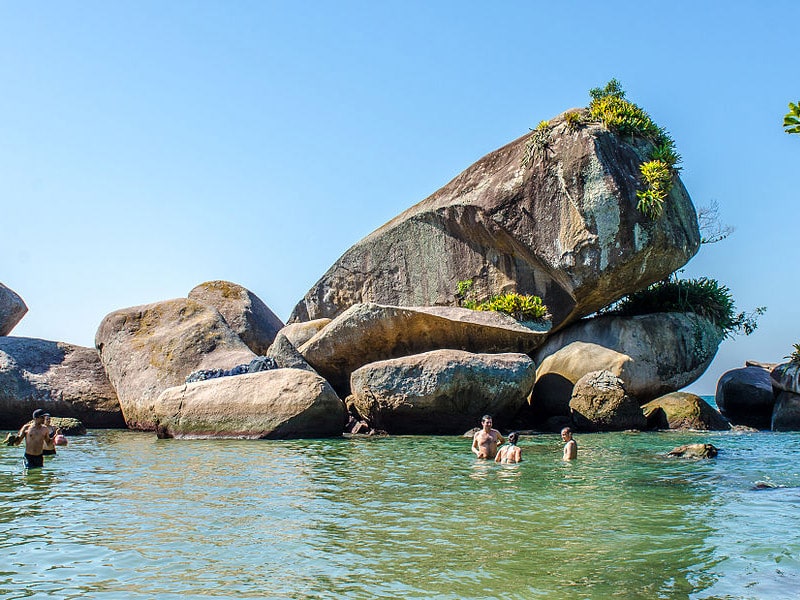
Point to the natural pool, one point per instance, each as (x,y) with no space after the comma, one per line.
(121,514)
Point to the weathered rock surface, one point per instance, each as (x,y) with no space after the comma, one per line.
(299,333)
(286,355)
(442,391)
(682,410)
(281,403)
(564,227)
(367,333)
(653,354)
(147,349)
(745,397)
(243,311)
(600,403)
(786,414)
(694,451)
(786,377)
(12,309)
(70,426)
(63,379)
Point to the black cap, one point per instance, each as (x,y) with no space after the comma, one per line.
(39,413)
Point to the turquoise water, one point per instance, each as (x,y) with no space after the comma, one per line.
(121,514)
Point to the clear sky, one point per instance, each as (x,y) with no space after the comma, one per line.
(148,146)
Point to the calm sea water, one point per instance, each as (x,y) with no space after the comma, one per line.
(121,514)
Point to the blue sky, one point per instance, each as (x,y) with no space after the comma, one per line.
(146,147)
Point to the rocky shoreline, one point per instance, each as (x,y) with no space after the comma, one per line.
(382,341)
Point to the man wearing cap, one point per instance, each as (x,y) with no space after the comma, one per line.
(36,435)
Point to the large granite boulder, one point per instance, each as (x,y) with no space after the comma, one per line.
(367,333)
(12,309)
(63,379)
(786,413)
(745,397)
(243,311)
(600,403)
(563,226)
(147,349)
(786,377)
(653,354)
(442,391)
(682,410)
(281,403)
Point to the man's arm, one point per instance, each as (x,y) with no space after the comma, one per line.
(500,438)
(475,449)
(23,433)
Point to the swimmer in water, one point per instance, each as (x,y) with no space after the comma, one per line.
(510,453)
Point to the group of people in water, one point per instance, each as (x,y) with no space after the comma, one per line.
(40,437)
(487,443)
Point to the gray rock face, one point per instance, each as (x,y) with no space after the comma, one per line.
(441,392)
(286,356)
(243,311)
(367,333)
(12,309)
(682,410)
(63,379)
(281,403)
(299,333)
(653,354)
(564,227)
(786,377)
(744,396)
(786,414)
(147,349)
(600,403)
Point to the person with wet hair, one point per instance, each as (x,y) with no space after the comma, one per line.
(510,453)
(571,446)
(486,439)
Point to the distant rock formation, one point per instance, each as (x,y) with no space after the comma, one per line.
(64,379)
(745,397)
(12,309)
(442,391)
(281,403)
(564,227)
(243,311)
(147,349)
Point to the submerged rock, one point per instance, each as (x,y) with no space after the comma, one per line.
(563,226)
(147,349)
(63,379)
(442,391)
(281,403)
(600,403)
(366,333)
(12,309)
(682,410)
(694,451)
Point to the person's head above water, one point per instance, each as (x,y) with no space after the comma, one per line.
(513,437)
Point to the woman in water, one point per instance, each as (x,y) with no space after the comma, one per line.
(510,453)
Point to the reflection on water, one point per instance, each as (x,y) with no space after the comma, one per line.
(123,515)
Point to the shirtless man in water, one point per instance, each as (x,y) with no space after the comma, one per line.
(571,446)
(485,441)
(36,436)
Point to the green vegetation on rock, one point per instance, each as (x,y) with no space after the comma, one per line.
(791,122)
(702,296)
(521,307)
(795,355)
(609,107)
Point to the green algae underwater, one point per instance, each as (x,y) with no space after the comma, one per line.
(121,514)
